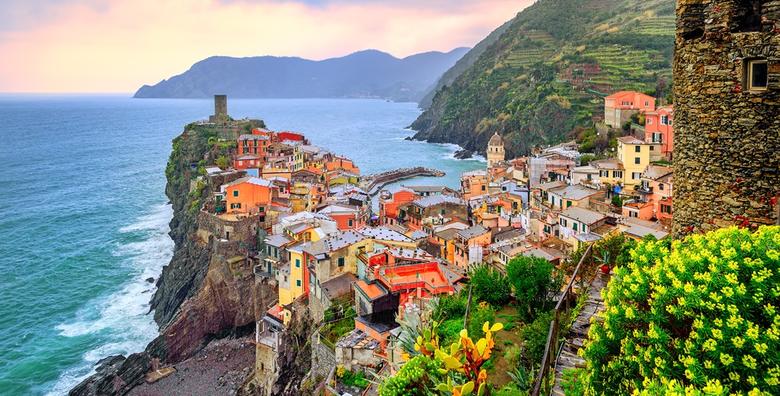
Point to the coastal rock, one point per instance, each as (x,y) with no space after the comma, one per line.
(464,154)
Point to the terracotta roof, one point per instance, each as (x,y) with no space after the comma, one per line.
(583,215)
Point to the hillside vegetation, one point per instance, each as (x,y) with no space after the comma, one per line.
(547,74)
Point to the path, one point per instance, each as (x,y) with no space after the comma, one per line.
(568,357)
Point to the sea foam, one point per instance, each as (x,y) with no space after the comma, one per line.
(122,320)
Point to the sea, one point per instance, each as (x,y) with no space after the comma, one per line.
(84,217)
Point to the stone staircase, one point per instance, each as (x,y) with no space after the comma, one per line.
(568,357)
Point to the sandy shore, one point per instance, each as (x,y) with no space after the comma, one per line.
(219,369)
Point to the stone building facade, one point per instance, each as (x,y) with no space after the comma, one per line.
(727,114)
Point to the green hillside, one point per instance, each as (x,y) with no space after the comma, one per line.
(546,75)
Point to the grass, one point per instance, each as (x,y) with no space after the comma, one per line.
(510,336)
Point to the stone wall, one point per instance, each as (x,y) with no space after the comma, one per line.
(323,359)
(727,137)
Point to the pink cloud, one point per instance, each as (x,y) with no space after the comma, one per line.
(117,48)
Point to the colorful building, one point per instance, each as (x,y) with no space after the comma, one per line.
(390,204)
(659,129)
(636,155)
(620,106)
(248,195)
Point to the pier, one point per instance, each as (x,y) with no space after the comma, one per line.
(375,182)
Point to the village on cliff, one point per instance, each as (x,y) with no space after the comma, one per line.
(307,224)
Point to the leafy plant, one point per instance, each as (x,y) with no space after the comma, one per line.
(482,313)
(697,316)
(533,280)
(490,285)
(573,382)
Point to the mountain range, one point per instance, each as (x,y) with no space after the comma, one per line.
(363,74)
(541,78)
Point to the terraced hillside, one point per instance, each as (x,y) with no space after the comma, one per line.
(547,73)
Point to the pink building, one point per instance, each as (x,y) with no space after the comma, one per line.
(619,106)
(658,129)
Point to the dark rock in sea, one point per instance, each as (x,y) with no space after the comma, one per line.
(409,138)
(464,154)
(150,279)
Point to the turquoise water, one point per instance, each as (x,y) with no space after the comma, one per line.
(84,218)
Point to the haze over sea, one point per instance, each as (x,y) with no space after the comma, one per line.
(84,217)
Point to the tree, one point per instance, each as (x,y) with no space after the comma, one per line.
(533,280)
(617,201)
(490,286)
(699,316)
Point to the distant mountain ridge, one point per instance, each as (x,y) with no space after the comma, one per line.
(543,79)
(363,74)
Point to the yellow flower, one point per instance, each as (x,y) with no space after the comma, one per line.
(726,359)
(761,348)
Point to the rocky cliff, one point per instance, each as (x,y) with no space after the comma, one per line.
(546,74)
(202,294)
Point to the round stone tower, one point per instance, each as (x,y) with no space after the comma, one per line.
(495,150)
(727,114)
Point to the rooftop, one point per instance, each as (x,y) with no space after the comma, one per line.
(583,215)
(575,193)
(656,172)
(338,286)
(473,231)
(251,180)
(434,200)
(384,234)
(631,140)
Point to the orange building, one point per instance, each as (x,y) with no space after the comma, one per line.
(620,106)
(474,184)
(658,129)
(247,161)
(389,204)
(342,163)
(248,195)
(347,217)
(254,144)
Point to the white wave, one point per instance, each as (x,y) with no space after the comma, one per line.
(122,319)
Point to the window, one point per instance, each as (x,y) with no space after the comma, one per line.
(350,223)
(604,173)
(617,174)
(748,16)
(638,149)
(584,228)
(568,203)
(632,214)
(341,261)
(757,75)
(574,226)
(652,148)
(483,188)
(297,263)
(235,193)
(664,120)
(637,160)
(649,121)
(442,212)
(563,222)
(298,283)
(636,175)
(647,103)
(661,186)
(666,209)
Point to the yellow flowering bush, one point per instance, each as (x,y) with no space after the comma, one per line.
(701,316)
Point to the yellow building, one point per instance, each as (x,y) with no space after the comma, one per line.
(495,152)
(636,155)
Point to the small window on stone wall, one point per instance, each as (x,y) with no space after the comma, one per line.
(747,16)
(756,74)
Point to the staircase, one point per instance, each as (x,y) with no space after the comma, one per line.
(568,357)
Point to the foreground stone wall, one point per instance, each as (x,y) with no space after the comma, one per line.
(727,136)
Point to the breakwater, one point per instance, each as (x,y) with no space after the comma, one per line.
(375,182)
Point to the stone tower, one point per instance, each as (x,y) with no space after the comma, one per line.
(220,109)
(495,150)
(727,114)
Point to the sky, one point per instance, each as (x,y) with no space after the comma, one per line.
(59,46)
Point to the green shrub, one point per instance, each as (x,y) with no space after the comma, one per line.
(223,162)
(534,282)
(449,330)
(417,377)
(490,286)
(356,379)
(450,307)
(700,316)
(535,338)
(617,201)
(573,382)
(478,316)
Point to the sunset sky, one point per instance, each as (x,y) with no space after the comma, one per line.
(118,45)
